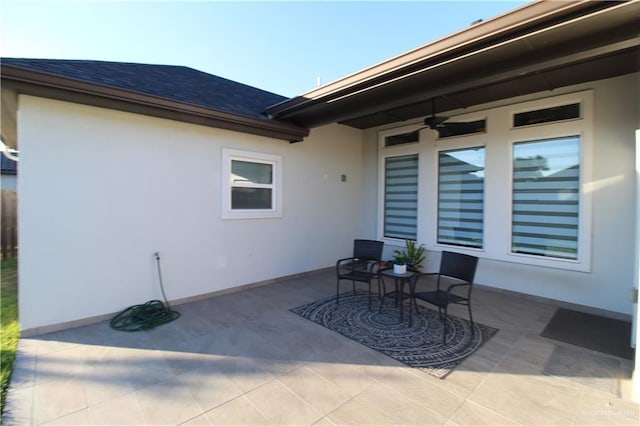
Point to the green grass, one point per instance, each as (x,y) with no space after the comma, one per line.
(9,326)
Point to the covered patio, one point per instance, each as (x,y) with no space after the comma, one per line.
(244,358)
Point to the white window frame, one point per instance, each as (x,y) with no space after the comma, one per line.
(463,145)
(460,142)
(583,128)
(411,148)
(498,142)
(229,155)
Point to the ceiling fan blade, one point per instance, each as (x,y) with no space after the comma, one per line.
(434,121)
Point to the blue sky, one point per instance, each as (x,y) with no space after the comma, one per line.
(279,46)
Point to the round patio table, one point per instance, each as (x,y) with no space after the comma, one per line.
(399,281)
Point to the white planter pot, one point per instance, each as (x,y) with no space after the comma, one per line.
(399,269)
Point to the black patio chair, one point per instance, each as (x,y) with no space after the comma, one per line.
(361,267)
(457,272)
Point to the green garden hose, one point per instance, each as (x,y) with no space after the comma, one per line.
(148,315)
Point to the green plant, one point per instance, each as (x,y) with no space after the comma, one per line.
(9,327)
(399,257)
(413,255)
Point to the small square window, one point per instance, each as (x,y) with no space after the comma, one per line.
(252,185)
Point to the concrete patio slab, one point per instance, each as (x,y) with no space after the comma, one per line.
(244,358)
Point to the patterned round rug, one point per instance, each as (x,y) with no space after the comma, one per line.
(419,345)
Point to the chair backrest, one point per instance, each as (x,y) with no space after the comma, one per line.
(368,249)
(458,265)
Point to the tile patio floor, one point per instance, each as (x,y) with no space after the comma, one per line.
(243,358)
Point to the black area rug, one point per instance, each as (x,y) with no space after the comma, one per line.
(418,346)
(606,335)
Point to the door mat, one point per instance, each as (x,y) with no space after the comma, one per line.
(606,335)
(419,345)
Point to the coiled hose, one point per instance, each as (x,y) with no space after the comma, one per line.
(148,315)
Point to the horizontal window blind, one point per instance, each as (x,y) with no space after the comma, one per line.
(401,197)
(546,197)
(461,197)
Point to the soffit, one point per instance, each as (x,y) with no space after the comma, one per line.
(580,48)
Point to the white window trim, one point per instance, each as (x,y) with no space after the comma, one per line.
(498,142)
(395,151)
(228,155)
(470,141)
(582,127)
(463,145)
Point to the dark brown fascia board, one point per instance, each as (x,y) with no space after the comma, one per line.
(446,88)
(531,15)
(46,85)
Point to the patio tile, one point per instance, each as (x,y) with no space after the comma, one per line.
(55,399)
(357,413)
(236,412)
(533,349)
(587,368)
(126,369)
(168,402)
(235,359)
(351,378)
(398,408)
(466,377)
(527,399)
(324,422)
(64,364)
(471,413)
(187,359)
(425,390)
(246,373)
(210,388)
(601,409)
(201,420)
(124,410)
(24,372)
(281,406)
(79,418)
(321,394)
(19,406)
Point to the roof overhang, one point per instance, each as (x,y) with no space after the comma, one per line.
(540,46)
(16,81)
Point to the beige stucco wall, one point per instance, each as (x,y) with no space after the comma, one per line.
(609,278)
(102,190)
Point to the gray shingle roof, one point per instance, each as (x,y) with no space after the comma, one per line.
(7,165)
(176,83)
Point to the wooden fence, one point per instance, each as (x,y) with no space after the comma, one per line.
(9,224)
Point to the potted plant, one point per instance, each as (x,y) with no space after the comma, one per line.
(413,255)
(399,262)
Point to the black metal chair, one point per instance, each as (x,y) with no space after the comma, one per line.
(459,270)
(362,266)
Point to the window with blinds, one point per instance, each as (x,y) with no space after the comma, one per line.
(401,197)
(461,197)
(546,197)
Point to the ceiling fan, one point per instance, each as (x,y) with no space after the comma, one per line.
(449,128)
